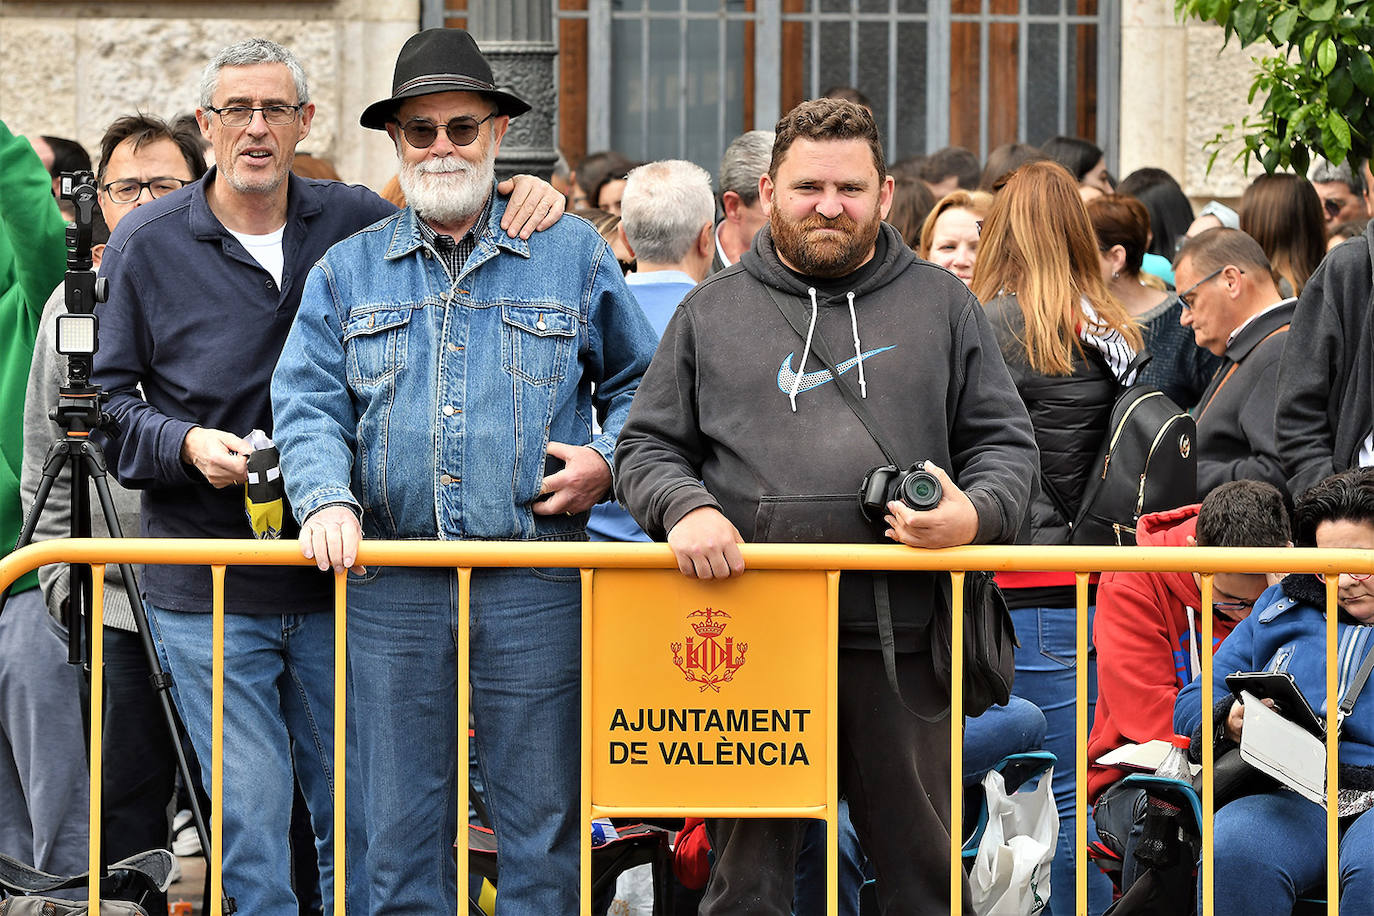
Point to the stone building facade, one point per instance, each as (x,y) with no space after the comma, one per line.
(68,68)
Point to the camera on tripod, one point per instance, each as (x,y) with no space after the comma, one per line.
(78,330)
(915,486)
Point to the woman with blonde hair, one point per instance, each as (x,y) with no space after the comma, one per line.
(1068,344)
(1284,214)
(950,234)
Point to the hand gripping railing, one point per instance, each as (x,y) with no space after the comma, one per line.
(466,555)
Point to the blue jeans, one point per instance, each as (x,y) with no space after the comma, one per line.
(1271,849)
(1046,675)
(525,672)
(278,714)
(1001,731)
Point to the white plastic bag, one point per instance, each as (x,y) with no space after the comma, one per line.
(1011,873)
(634,892)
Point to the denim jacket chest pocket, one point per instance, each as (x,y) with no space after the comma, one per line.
(537,341)
(374,340)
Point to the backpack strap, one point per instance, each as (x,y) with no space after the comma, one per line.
(1352,693)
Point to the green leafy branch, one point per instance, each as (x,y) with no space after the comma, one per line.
(1318,89)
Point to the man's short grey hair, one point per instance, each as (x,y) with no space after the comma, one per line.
(665,206)
(745,161)
(245,53)
(1347,173)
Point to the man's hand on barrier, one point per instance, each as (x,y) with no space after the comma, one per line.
(706,545)
(582,483)
(330,537)
(222,457)
(534,205)
(952,523)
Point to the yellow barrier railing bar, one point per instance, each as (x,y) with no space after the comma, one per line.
(94,871)
(832,751)
(216,861)
(1204,654)
(464,749)
(585,846)
(1080,871)
(956,743)
(1333,868)
(340,739)
(465,555)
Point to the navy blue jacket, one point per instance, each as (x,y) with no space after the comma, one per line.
(199,324)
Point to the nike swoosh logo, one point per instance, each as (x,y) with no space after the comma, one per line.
(787,375)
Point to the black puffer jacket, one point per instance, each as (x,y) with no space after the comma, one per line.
(1069,413)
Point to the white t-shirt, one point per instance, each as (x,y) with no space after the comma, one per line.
(265,249)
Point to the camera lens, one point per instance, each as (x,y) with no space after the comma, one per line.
(921,491)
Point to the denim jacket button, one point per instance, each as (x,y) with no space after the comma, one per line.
(445,479)
(448,410)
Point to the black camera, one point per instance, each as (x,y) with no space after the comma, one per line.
(915,486)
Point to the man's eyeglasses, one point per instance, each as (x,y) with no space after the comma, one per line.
(126,190)
(422,132)
(1232,605)
(242,116)
(1186,297)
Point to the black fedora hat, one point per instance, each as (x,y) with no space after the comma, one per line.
(440,60)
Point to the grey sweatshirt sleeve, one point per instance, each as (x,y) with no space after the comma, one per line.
(659,453)
(47,373)
(991,443)
(1314,355)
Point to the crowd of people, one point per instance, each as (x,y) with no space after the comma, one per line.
(456,358)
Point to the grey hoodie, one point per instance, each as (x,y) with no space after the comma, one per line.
(713,422)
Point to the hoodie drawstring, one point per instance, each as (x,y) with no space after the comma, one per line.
(806,351)
(858,354)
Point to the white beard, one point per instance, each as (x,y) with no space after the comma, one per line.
(447,190)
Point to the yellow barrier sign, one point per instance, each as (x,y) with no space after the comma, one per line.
(708,693)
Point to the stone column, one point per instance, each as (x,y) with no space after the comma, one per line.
(517,38)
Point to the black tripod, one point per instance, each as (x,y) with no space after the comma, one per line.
(80,412)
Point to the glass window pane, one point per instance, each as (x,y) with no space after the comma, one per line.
(1042,84)
(909,131)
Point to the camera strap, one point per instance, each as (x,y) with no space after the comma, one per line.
(794,310)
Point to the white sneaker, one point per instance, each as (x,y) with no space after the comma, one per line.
(185,840)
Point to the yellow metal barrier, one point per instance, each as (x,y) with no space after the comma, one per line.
(464,556)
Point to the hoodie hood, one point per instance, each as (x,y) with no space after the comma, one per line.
(1172,529)
(762,262)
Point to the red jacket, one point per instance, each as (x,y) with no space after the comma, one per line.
(1144,641)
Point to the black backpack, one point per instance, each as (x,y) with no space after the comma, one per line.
(1147,463)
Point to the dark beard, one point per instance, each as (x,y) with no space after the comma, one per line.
(826,258)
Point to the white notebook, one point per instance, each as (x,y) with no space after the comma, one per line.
(1283,749)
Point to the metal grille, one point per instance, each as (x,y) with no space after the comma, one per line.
(670,78)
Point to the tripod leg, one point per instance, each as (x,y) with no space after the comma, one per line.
(161,680)
(36,511)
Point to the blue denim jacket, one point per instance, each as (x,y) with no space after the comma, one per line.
(428,403)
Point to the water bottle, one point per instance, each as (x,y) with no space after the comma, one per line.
(1158,846)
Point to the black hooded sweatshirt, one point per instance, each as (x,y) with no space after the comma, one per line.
(713,421)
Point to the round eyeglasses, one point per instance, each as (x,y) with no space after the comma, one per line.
(422,132)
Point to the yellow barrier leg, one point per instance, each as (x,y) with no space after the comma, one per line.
(340,739)
(1208,750)
(1080,782)
(832,751)
(464,752)
(956,744)
(1333,859)
(216,860)
(95,872)
(585,827)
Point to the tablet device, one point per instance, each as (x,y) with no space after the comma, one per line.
(1280,687)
